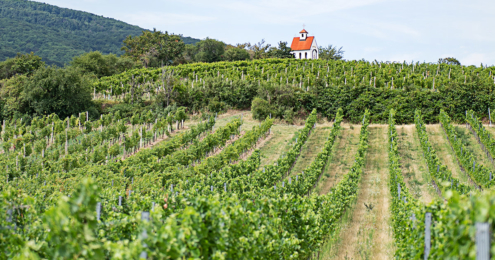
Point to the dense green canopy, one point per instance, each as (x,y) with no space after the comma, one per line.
(58,34)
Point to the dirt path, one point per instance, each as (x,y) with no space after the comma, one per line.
(218,150)
(311,148)
(278,144)
(368,234)
(261,143)
(243,156)
(272,147)
(441,145)
(186,127)
(413,165)
(341,159)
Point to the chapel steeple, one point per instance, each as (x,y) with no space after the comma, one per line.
(304,35)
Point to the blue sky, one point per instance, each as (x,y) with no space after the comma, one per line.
(385,30)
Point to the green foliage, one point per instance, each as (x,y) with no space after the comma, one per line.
(154,49)
(289,116)
(74,220)
(206,203)
(260,49)
(271,174)
(210,199)
(477,172)
(282,52)
(209,50)
(188,54)
(261,109)
(13,96)
(481,133)
(453,221)
(88,127)
(327,85)
(216,106)
(409,235)
(454,232)
(103,65)
(59,34)
(180,114)
(330,53)
(438,172)
(21,64)
(449,60)
(217,92)
(280,97)
(234,54)
(61,91)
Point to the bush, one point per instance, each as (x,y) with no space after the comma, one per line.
(215,106)
(49,90)
(261,109)
(289,116)
(61,91)
(234,54)
(103,65)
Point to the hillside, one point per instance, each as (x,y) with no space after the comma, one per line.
(58,34)
(132,180)
(368,192)
(290,86)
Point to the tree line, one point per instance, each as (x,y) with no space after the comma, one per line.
(155,49)
(28,86)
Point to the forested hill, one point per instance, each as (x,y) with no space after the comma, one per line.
(58,34)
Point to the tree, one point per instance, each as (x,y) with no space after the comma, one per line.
(180,114)
(260,49)
(154,48)
(209,50)
(282,52)
(449,60)
(12,96)
(261,109)
(61,91)
(246,45)
(331,53)
(168,82)
(21,64)
(189,52)
(233,54)
(103,65)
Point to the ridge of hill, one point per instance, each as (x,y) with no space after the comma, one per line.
(58,34)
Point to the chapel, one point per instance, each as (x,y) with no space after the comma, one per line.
(304,46)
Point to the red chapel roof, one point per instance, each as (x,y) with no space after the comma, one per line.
(298,45)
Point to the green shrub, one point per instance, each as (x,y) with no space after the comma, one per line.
(261,109)
(289,116)
(215,106)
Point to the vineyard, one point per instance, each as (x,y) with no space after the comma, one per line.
(153,186)
(295,85)
(406,173)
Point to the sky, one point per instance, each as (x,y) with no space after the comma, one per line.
(382,30)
